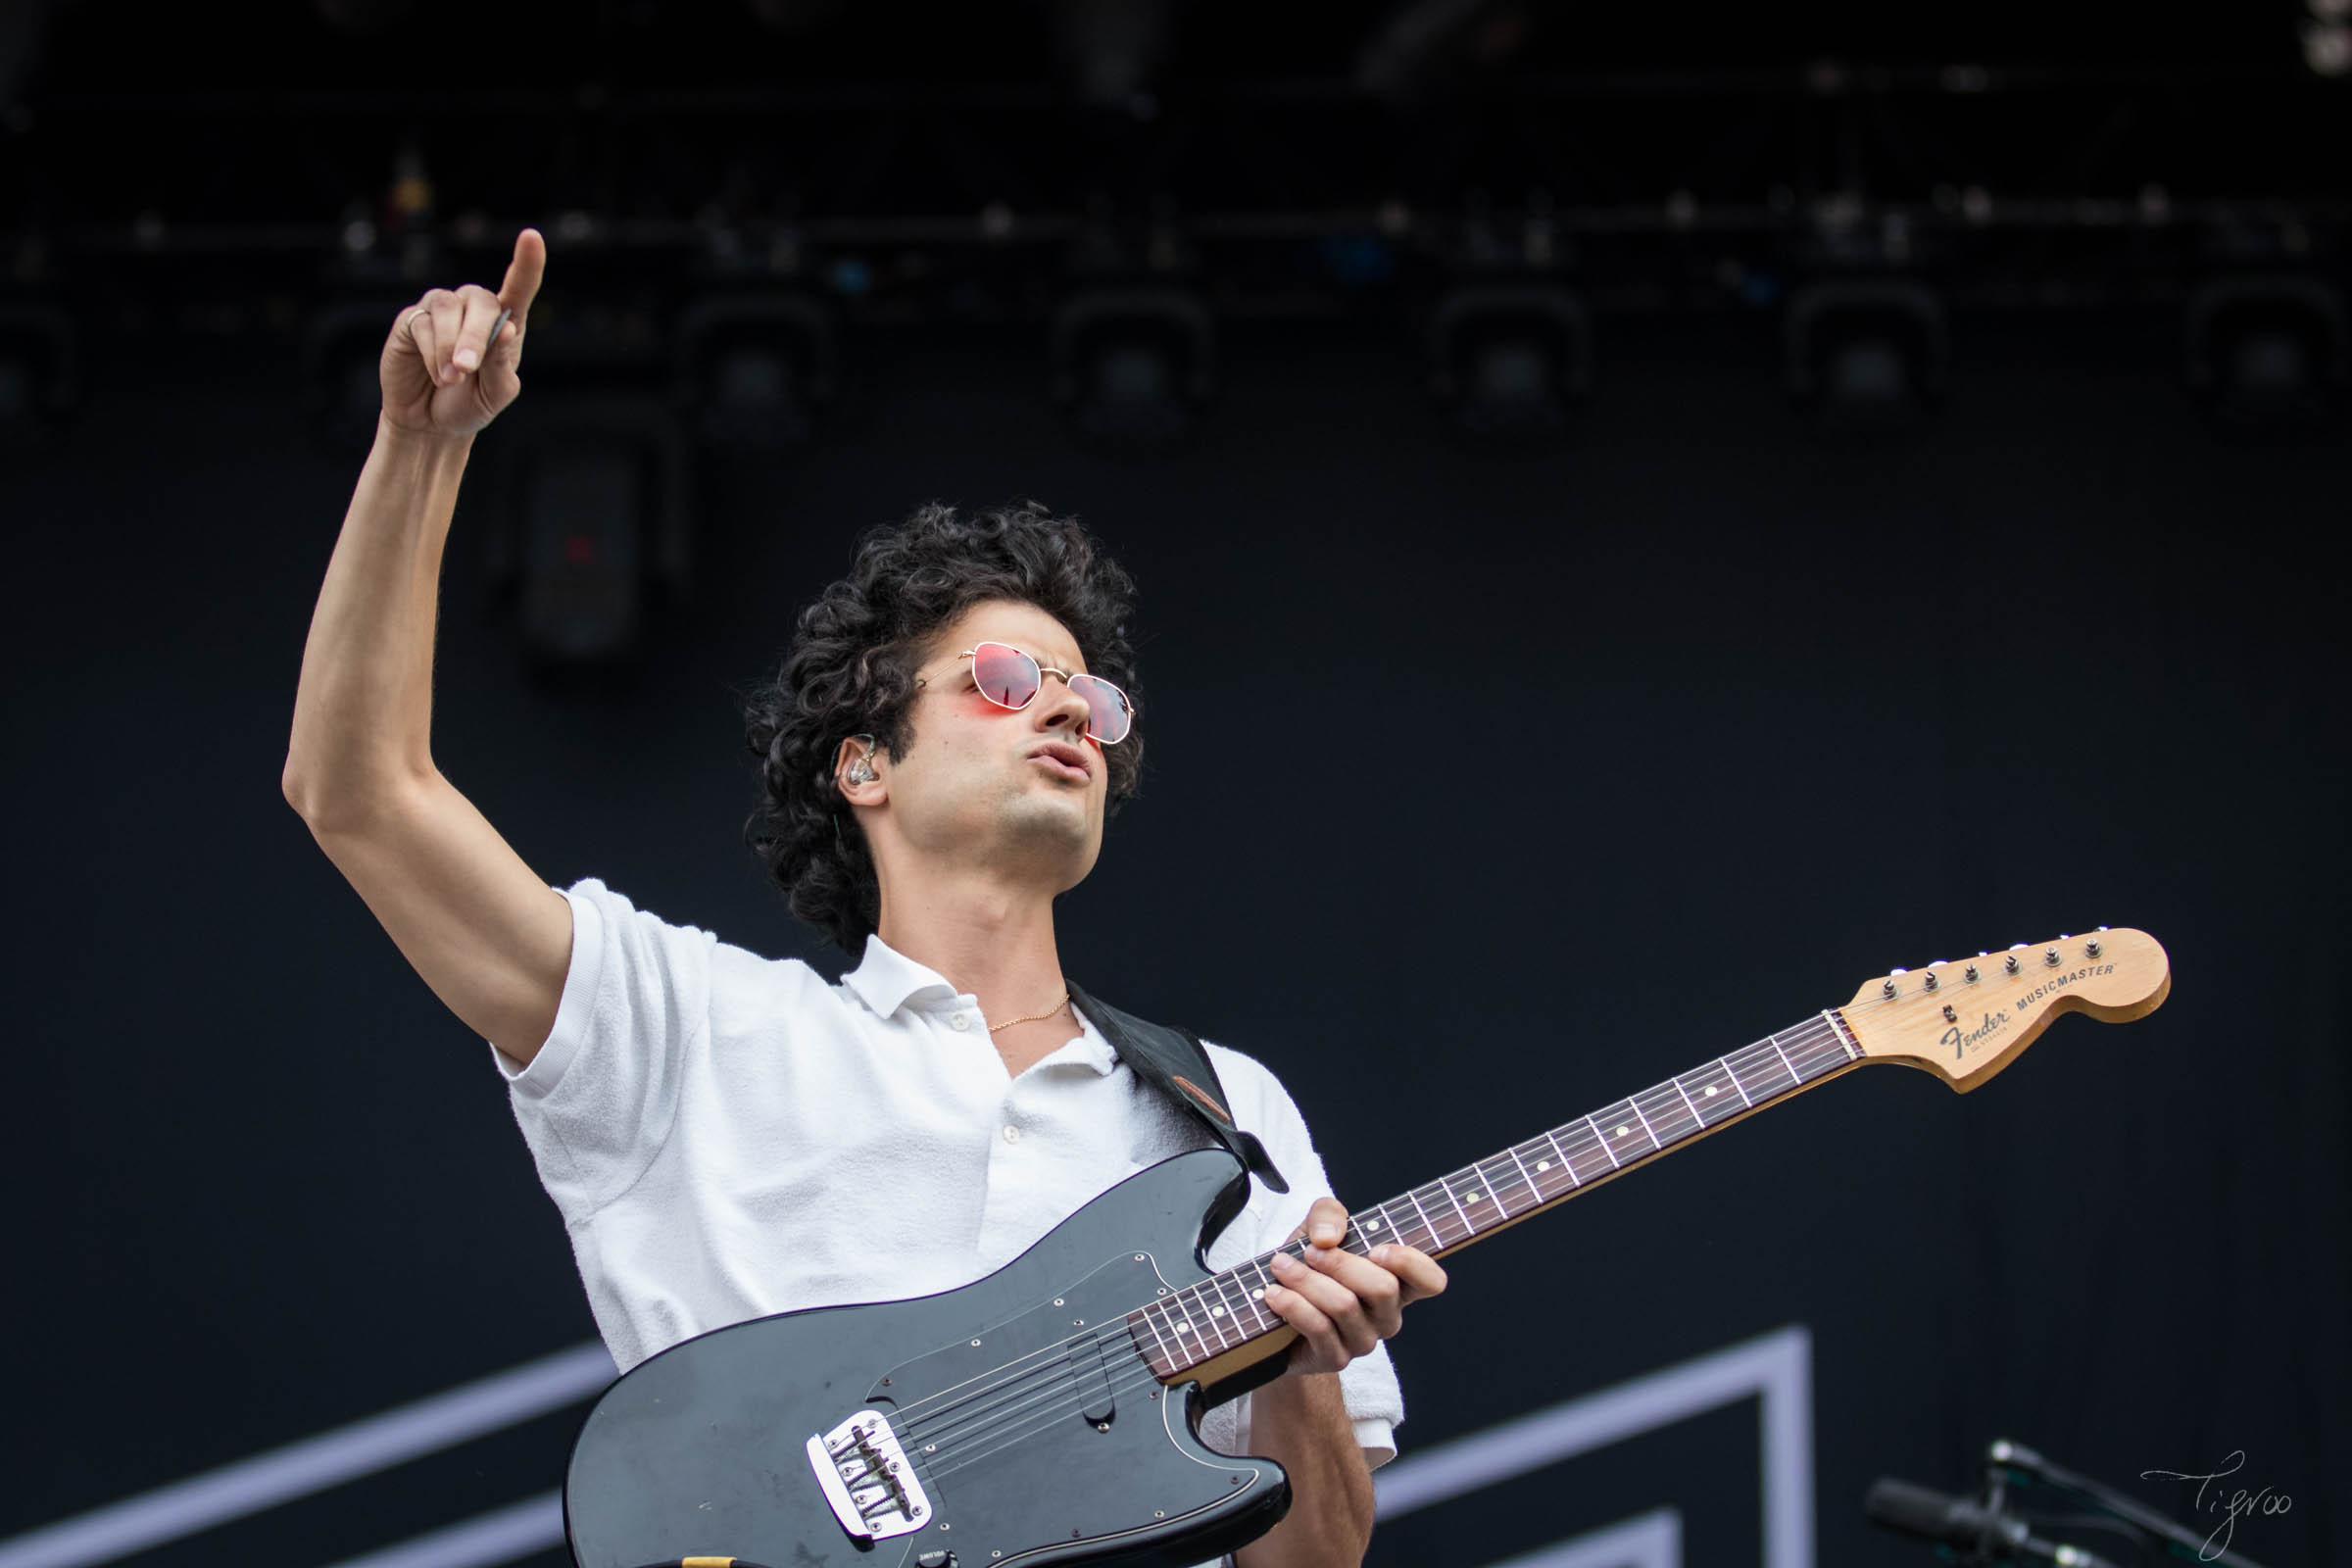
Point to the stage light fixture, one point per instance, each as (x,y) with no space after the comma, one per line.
(1133,369)
(596,492)
(41,371)
(2267,352)
(753,368)
(1510,361)
(1867,354)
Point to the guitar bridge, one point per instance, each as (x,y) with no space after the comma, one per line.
(864,1475)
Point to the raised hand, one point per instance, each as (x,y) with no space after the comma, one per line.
(441,374)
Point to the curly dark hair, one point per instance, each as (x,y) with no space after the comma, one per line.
(850,671)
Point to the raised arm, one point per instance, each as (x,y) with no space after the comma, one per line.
(486,933)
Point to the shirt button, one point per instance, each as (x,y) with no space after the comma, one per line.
(1012,1134)
(962,1020)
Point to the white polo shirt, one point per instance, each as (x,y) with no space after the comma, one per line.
(729,1136)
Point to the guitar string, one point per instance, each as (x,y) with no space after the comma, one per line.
(1814,1039)
(1820,1036)
(1810,1037)
(1582,1143)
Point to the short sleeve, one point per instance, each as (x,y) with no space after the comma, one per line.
(1260,1105)
(597,1102)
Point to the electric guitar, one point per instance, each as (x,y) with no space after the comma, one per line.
(1048,1413)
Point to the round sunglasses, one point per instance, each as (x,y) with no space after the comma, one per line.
(1011,678)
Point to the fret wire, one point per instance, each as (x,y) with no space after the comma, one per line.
(1217,1314)
(1566,1165)
(1165,1353)
(1495,1189)
(1666,1114)
(1605,1142)
(1692,1103)
(1733,1073)
(1794,1076)
(1760,1065)
(1245,1301)
(1535,1194)
(1447,1187)
(1652,1131)
(1414,1199)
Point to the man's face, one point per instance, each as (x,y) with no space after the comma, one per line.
(982,786)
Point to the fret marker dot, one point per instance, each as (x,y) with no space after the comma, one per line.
(1371,1225)
(1543,1165)
(1710,1089)
(1184,1328)
(1216,1311)
(1478,1197)
(1259,1295)
(1622,1131)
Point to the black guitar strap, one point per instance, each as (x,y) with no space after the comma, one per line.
(1177,1062)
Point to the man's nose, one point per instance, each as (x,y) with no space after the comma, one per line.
(1066,707)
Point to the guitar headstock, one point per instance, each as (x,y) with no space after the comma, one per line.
(1966,1021)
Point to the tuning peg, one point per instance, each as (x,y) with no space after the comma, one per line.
(2050,958)
(1931,982)
(2091,947)
(1971,972)
(2009,963)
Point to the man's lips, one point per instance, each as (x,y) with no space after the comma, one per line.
(1065,760)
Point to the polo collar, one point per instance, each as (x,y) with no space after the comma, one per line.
(886,980)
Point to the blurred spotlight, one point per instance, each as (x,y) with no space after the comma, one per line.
(2267,351)
(342,355)
(1867,354)
(1133,369)
(1510,360)
(752,368)
(41,371)
(596,513)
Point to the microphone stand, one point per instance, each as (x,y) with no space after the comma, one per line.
(2005,1455)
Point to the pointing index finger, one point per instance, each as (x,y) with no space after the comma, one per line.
(522,285)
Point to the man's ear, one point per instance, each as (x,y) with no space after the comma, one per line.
(856,772)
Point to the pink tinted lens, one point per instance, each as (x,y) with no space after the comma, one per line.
(1108,713)
(1005,675)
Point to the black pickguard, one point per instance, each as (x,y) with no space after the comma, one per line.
(701,1450)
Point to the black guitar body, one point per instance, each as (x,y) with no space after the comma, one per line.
(1027,1417)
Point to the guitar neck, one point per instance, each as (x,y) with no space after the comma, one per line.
(1213,1327)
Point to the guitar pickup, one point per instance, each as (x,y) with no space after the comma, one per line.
(865,1474)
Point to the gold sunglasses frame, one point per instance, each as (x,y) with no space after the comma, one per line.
(1067,679)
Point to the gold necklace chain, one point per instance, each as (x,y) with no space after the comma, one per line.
(1033,1017)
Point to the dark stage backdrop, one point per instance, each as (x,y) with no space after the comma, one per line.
(1480,792)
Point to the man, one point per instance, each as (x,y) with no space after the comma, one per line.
(938,754)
